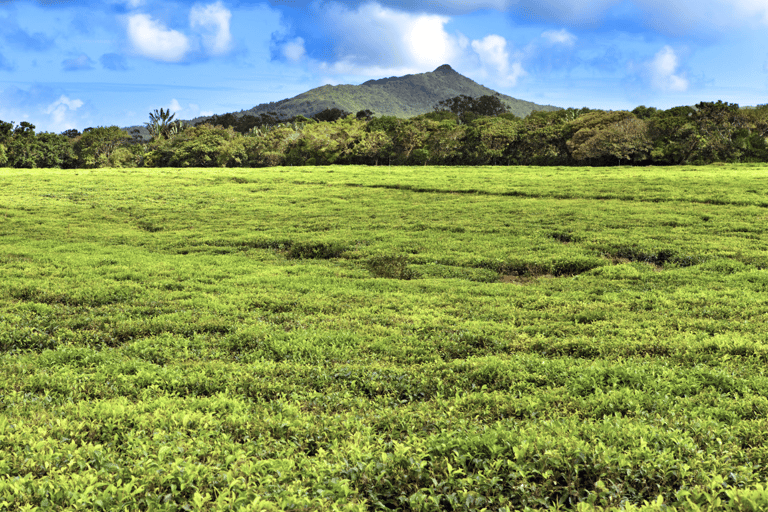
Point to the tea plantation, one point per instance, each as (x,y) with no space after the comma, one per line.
(375,338)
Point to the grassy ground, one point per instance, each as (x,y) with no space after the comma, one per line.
(372,338)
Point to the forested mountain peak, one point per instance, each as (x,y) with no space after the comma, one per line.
(399,96)
(445,68)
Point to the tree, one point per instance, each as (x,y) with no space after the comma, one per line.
(604,138)
(95,146)
(55,150)
(488,140)
(406,138)
(720,124)
(242,124)
(468,108)
(541,138)
(607,137)
(443,141)
(207,146)
(6,132)
(674,136)
(70,133)
(756,146)
(330,115)
(375,145)
(161,124)
(22,147)
(364,115)
(643,112)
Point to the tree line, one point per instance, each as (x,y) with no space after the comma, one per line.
(460,131)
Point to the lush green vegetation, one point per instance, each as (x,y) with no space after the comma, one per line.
(405,338)
(397,96)
(461,131)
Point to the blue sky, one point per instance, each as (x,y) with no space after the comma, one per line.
(75,64)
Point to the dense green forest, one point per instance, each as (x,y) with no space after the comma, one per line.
(460,131)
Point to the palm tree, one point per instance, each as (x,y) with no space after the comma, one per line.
(161,124)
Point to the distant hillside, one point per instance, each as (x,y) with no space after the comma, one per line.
(400,96)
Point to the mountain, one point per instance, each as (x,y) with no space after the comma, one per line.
(400,96)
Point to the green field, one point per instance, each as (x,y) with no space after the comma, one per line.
(375,338)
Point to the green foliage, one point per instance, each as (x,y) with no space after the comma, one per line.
(55,151)
(95,147)
(22,146)
(467,108)
(608,137)
(162,126)
(391,267)
(402,97)
(489,141)
(330,115)
(412,338)
(710,132)
(203,146)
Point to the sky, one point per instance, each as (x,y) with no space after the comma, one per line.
(82,63)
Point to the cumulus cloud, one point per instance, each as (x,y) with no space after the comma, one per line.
(213,23)
(193,110)
(152,39)
(209,34)
(663,72)
(175,106)
(494,56)
(48,109)
(753,9)
(377,41)
(80,63)
(373,38)
(294,49)
(60,112)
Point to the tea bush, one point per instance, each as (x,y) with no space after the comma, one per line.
(359,338)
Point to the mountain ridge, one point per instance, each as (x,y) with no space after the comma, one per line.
(399,96)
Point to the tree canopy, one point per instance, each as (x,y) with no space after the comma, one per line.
(460,131)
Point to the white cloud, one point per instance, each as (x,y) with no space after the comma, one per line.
(213,22)
(492,50)
(373,38)
(68,103)
(379,41)
(152,39)
(753,10)
(175,106)
(60,113)
(495,59)
(663,72)
(294,50)
(703,17)
(559,37)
